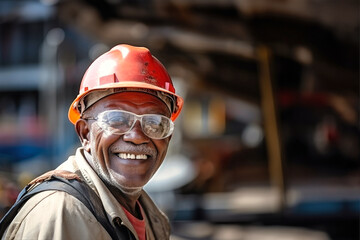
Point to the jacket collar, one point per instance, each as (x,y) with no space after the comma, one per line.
(157,224)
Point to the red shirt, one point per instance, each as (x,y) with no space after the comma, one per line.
(138,224)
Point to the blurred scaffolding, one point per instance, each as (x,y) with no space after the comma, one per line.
(267,146)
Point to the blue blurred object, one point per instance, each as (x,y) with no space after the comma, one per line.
(22,151)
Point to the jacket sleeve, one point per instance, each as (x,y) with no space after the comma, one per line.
(55,215)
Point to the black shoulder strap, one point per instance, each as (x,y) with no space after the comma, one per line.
(79,190)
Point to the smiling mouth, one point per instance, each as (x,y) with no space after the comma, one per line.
(132,156)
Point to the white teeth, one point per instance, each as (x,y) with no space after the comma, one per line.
(132,156)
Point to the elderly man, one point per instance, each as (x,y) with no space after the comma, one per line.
(124,117)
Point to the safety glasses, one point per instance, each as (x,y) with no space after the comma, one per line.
(119,122)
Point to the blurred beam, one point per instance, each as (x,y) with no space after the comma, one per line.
(271,126)
(196,42)
(342,15)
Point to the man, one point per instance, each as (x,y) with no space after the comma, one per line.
(124,117)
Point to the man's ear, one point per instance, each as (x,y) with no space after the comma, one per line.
(83,131)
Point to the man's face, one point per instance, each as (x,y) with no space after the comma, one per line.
(113,155)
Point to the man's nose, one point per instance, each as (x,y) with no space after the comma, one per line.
(136,135)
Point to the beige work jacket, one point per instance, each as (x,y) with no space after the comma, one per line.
(55,215)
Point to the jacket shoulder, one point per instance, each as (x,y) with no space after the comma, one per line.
(54,215)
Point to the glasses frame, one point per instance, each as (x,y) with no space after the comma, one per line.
(139,118)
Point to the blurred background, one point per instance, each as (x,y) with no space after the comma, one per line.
(267,145)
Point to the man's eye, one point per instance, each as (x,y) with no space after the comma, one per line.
(118,121)
(153,128)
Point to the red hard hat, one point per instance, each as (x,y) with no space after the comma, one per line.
(126,67)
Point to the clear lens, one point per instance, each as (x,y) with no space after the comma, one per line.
(155,126)
(117,121)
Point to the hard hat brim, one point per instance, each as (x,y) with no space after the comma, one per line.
(74,114)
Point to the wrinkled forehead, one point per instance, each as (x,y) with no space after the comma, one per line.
(93,97)
(144,102)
